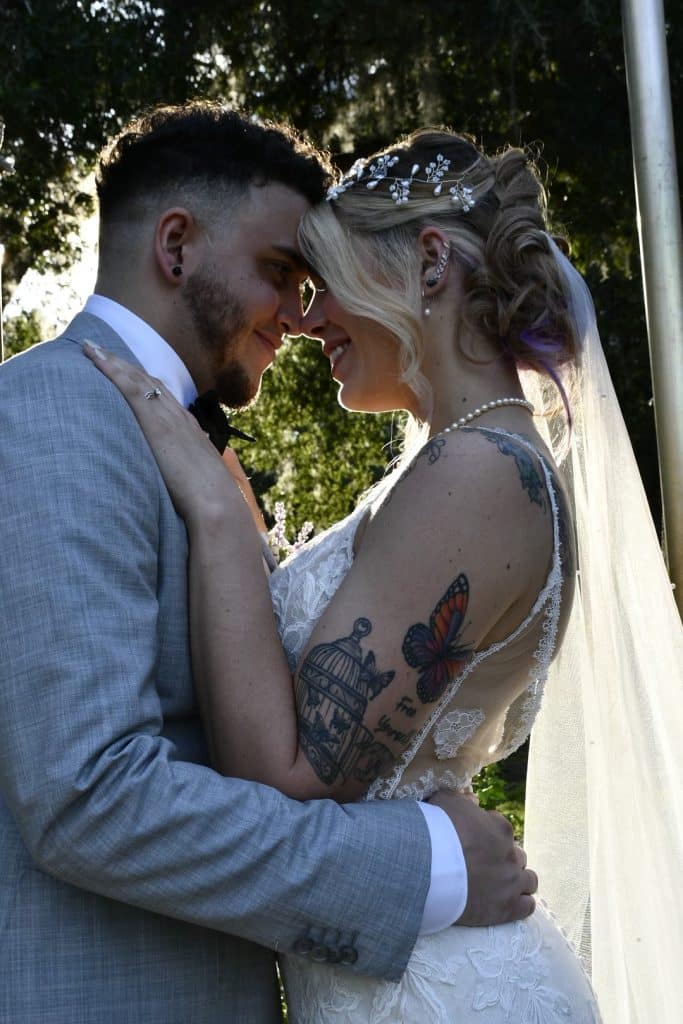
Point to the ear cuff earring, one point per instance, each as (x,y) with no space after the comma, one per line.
(435,277)
(440,267)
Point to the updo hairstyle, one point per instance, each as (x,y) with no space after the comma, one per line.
(364,244)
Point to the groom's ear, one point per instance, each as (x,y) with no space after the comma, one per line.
(176,233)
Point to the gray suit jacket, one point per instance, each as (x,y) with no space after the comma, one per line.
(137,886)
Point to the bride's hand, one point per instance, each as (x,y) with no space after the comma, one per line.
(197,478)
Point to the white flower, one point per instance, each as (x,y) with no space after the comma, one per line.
(277,537)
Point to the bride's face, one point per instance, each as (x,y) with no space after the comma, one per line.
(364,356)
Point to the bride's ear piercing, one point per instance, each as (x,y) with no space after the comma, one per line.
(436,275)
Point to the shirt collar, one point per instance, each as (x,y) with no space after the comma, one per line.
(149,348)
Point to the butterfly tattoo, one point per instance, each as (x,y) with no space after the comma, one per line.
(434,649)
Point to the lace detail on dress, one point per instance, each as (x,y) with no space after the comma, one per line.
(454,729)
(521,973)
(430,781)
(304,584)
(451,733)
(512,976)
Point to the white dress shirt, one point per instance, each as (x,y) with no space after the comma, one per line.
(149,348)
(447,894)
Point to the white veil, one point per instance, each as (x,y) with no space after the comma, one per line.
(604,813)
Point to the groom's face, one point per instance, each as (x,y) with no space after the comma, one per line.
(244,294)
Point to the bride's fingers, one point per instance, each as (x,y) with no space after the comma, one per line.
(192,468)
(156,409)
(136,386)
(129,379)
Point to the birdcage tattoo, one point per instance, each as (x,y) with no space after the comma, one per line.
(334,686)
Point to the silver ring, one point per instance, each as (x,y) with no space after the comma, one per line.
(154,393)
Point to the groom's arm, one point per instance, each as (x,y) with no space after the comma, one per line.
(100,796)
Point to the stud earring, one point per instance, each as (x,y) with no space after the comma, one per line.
(177,270)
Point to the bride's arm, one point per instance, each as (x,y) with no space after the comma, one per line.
(399,629)
(241,673)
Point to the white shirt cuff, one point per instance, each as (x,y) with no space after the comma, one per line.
(447,894)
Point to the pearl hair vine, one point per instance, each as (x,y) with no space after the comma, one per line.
(433,173)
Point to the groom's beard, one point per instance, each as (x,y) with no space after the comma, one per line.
(219,321)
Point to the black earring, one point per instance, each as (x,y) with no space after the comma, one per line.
(177,270)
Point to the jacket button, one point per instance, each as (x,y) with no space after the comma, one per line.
(348,955)
(303,946)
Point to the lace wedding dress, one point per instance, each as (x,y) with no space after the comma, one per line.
(520,973)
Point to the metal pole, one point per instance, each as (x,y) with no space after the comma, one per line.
(661,251)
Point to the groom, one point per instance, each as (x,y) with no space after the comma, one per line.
(137,886)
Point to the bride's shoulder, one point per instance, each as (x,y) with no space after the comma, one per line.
(480,491)
(474,465)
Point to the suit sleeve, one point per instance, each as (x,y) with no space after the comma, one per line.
(100,796)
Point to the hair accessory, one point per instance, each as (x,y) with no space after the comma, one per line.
(177,270)
(433,173)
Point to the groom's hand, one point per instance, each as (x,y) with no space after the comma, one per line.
(499,884)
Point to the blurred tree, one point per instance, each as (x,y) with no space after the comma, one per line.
(20,333)
(311,454)
(354,77)
(506,71)
(71,73)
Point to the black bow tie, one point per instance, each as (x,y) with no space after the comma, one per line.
(209,414)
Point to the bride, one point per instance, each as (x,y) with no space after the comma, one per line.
(412,640)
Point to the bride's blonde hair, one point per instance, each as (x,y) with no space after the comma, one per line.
(364,243)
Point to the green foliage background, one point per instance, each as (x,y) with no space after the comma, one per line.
(354,76)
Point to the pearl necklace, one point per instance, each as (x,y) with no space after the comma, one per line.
(498,403)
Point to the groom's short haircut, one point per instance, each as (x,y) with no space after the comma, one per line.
(202,148)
